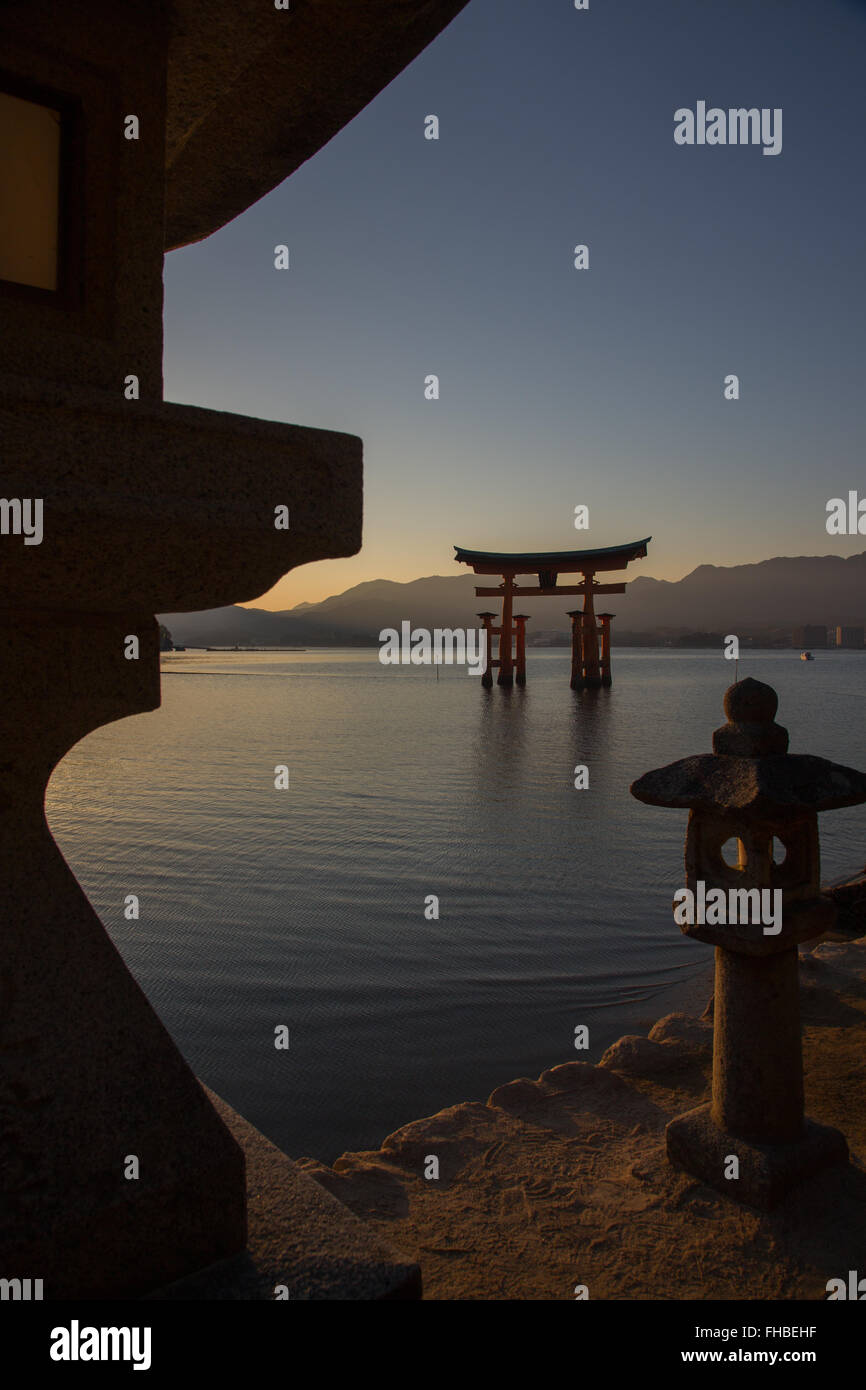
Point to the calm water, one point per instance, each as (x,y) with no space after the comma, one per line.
(306,907)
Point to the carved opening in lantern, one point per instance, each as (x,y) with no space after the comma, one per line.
(733,853)
(796,863)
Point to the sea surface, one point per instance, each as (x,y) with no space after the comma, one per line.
(306,907)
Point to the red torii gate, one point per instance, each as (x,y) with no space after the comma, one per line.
(589,665)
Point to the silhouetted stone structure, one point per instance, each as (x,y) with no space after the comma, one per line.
(590,663)
(751,791)
(141,128)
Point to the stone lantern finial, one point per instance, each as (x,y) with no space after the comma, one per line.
(751,793)
(751,730)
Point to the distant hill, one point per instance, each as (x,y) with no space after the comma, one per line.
(751,600)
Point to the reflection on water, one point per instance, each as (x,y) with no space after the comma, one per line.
(306,907)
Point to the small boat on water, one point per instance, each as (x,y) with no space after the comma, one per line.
(806,656)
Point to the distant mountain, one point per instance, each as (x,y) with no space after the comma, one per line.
(750,600)
(779,593)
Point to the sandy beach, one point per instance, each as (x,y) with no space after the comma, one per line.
(563,1181)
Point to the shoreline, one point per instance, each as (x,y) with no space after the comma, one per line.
(564,1181)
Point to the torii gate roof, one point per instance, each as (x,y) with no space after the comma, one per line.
(611,557)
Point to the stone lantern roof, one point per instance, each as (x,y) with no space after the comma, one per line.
(750,771)
(254,91)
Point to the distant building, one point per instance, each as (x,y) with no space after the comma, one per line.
(849,637)
(810,636)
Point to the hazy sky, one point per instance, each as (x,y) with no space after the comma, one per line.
(561,387)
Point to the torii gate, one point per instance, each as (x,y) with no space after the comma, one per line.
(589,665)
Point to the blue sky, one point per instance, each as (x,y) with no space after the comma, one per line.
(560,387)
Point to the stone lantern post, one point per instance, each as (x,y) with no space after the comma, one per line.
(750,792)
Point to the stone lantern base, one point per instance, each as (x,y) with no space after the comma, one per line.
(766,1172)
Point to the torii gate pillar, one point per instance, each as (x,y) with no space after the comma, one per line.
(506,634)
(604,633)
(576,615)
(590,667)
(520,620)
(487,674)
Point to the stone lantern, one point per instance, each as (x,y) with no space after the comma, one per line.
(125,131)
(752,794)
